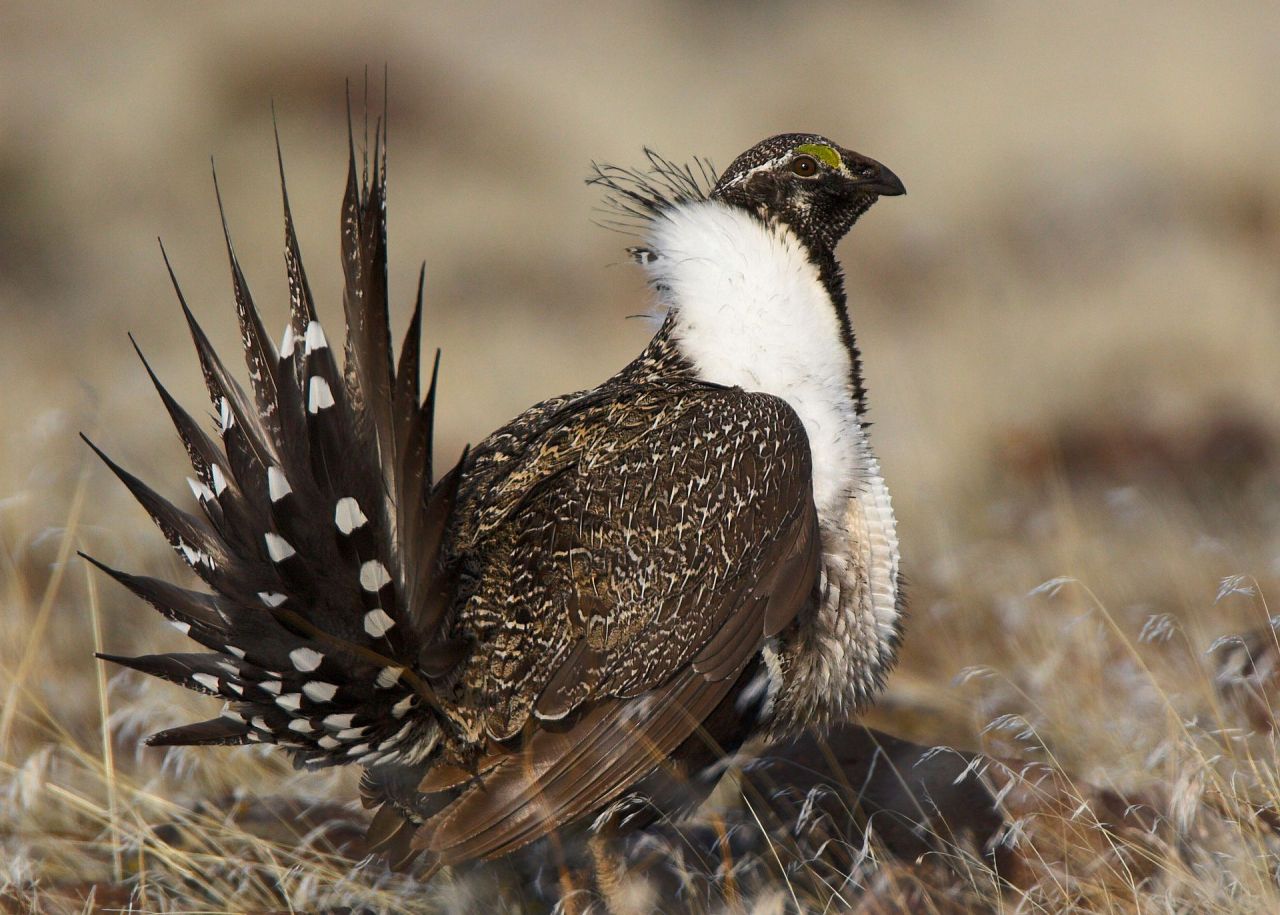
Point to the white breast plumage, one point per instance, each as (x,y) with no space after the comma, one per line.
(751,311)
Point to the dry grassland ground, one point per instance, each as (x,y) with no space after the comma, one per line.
(1072,339)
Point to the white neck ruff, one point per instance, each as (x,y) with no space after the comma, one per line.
(750,311)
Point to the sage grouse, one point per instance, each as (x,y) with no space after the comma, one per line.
(604,597)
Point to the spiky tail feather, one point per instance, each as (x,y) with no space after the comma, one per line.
(321,527)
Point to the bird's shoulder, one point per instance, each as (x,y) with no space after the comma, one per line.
(597,433)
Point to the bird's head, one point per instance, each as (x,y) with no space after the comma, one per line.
(805,181)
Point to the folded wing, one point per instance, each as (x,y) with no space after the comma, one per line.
(644,578)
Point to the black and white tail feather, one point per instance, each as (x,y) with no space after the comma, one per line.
(320,522)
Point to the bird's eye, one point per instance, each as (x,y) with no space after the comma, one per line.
(804,166)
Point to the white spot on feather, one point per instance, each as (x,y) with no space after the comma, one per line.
(319,396)
(194,556)
(208,681)
(184,628)
(202,492)
(305,659)
(272,598)
(227,417)
(319,691)
(348,515)
(401,708)
(315,338)
(301,725)
(271,686)
(329,743)
(290,702)
(218,478)
(338,722)
(288,341)
(388,677)
(373,575)
(278,548)
(377,623)
(277,484)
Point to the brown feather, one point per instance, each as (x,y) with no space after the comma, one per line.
(575,679)
(560,775)
(563,776)
(386,823)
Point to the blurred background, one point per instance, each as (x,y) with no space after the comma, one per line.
(1071,326)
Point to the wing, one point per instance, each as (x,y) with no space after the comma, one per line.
(626,589)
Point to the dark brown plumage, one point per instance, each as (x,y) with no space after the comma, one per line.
(597,603)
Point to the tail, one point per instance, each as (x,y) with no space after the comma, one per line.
(320,524)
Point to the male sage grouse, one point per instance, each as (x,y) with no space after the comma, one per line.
(602,599)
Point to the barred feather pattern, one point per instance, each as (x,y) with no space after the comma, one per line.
(316,486)
(604,585)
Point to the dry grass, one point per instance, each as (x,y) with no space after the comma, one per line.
(1072,337)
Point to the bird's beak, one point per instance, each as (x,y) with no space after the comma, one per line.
(869,176)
